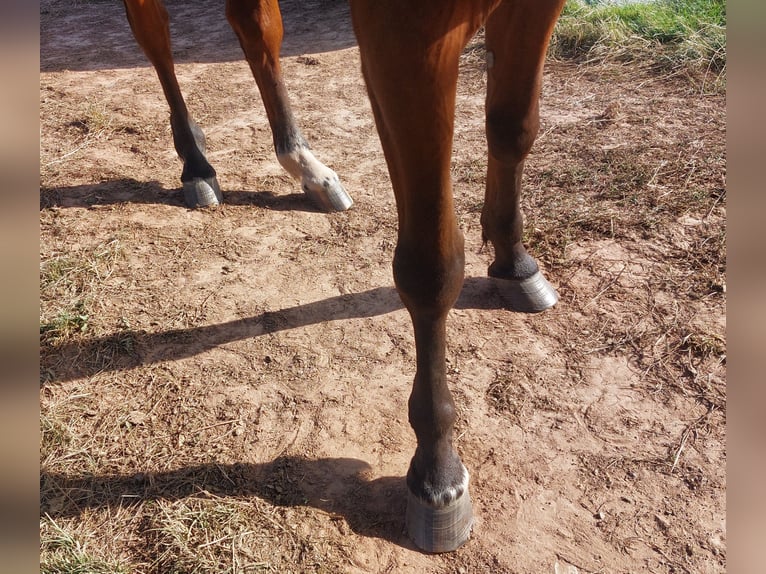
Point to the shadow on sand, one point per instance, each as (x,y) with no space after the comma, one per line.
(128,190)
(87,36)
(127,349)
(338,486)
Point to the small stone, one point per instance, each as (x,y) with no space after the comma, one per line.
(136,417)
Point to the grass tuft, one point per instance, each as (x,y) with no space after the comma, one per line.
(672,35)
(54,436)
(68,286)
(197,535)
(61,552)
(66,323)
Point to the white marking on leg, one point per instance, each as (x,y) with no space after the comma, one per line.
(439,498)
(454,492)
(318,181)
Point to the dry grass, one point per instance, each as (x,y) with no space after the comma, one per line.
(670,36)
(634,191)
(70,285)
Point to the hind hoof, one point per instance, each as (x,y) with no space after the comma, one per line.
(439,528)
(202,192)
(329,196)
(531,295)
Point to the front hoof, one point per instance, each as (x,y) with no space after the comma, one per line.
(328,195)
(439,528)
(531,295)
(202,192)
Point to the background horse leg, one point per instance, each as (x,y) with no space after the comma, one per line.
(149,21)
(517,35)
(258,25)
(410,63)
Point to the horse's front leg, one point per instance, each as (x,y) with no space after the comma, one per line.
(258,25)
(149,21)
(439,514)
(410,63)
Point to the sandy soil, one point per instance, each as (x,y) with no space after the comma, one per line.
(256,356)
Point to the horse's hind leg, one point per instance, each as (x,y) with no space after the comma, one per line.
(517,35)
(258,25)
(410,62)
(149,21)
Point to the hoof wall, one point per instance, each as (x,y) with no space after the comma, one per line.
(439,528)
(202,192)
(531,295)
(330,197)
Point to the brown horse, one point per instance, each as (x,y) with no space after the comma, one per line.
(409,53)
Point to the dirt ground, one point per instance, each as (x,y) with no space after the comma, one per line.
(225,390)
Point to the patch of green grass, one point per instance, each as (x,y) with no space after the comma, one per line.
(671,34)
(61,552)
(68,285)
(66,323)
(80,563)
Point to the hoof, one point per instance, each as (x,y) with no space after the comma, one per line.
(202,192)
(439,528)
(531,295)
(319,182)
(329,195)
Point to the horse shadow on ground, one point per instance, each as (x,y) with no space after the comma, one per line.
(127,349)
(96,35)
(129,190)
(341,487)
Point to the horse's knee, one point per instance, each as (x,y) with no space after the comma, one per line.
(429,280)
(510,137)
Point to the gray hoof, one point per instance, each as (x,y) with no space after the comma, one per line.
(531,295)
(202,192)
(330,196)
(439,528)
